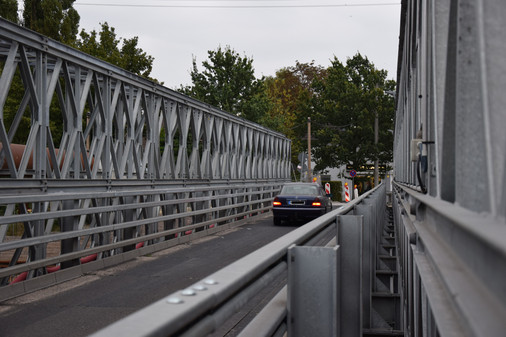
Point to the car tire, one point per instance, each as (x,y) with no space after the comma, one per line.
(277,221)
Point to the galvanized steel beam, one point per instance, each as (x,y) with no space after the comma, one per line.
(450,99)
(449,146)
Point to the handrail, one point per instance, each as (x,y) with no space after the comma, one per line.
(190,212)
(183,311)
(458,256)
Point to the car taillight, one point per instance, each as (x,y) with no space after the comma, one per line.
(276,202)
(316,202)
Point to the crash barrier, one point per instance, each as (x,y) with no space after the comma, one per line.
(452,265)
(125,220)
(330,268)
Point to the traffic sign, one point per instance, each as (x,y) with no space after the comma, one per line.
(353,173)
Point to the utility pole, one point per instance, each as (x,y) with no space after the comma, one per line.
(376,138)
(309,177)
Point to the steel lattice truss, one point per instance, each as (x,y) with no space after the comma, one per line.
(71,124)
(118,126)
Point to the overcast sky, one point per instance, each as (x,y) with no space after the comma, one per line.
(273,33)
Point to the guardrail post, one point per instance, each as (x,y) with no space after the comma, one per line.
(349,239)
(128,215)
(69,224)
(313,285)
(369,258)
(168,209)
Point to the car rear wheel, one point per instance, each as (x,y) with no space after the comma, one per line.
(277,221)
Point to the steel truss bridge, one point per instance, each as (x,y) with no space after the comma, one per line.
(98,165)
(431,263)
(423,255)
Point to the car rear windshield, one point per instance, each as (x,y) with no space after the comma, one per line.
(299,190)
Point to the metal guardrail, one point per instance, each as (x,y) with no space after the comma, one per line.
(98,229)
(203,307)
(453,266)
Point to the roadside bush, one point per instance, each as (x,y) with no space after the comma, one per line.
(336,189)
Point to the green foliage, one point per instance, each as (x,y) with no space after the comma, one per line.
(227,82)
(290,93)
(11,107)
(9,10)
(105,45)
(134,59)
(345,107)
(20,127)
(56,19)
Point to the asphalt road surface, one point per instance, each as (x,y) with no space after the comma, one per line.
(85,305)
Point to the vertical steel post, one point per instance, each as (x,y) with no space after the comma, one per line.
(313,291)
(69,224)
(349,239)
(369,259)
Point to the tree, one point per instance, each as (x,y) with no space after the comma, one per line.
(290,93)
(345,105)
(134,59)
(227,82)
(56,19)
(9,10)
(105,45)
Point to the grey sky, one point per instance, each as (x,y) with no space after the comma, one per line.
(275,37)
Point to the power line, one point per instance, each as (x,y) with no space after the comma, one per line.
(238,6)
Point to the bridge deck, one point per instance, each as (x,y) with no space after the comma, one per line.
(85,305)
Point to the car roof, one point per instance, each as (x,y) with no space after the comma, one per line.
(305,186)
(301,183)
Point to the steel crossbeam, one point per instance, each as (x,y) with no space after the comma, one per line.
(96,155)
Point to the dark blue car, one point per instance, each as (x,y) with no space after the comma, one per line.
(300,202)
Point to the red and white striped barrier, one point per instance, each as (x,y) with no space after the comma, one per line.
(346,192)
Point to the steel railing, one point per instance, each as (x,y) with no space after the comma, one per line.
(452,264)
(201,308)
(99,165)
(121,222)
